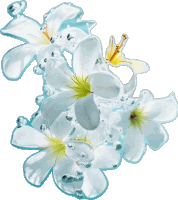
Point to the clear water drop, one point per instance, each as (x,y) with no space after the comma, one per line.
(69,118)
(43,127)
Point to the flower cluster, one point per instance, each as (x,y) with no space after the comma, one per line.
(87,120)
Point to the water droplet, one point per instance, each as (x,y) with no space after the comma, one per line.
(79,173)
(88,165)
(73,148)
(81,155)
(72,132)
(39,99)
(21,121)
(42,67)
(45,60)
(69,118)
(52,54)
(122,98)
(80,196)
(43,127)
(117,146)
(114,165)
(70,145)
(52,40)
(68,179)
(79,191)
(110,135)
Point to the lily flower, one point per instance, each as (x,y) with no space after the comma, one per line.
(116,57)
(74,162)
(143,124)
(79,88)
(40,40)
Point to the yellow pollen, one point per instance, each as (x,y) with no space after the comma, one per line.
(138,118)
(84,139)
(81,86)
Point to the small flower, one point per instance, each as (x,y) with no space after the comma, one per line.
(116,58)
(143,124)
(40,40)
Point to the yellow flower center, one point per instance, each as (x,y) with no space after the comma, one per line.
(81,86)
(45,36)
(138,118)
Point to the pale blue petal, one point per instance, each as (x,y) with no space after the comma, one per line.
(130,87)
(56,104)
(37,167)
(87,113)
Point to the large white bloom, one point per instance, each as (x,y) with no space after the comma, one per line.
(74,162)
(143,124)
(80,87)
(40,41)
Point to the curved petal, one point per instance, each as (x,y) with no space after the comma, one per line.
(87,113)
(38,167)
(95,183)
(79,151)
(61,127)
(145,96)
(130,87)
(16,60)
(70,38)
(44,52)
(28,137)
(106,157)
(38,121)
(57,74)
(56,104)
(134,146)
(155,135)
(139,66)
(68,176)
(104,85)
(61,13)
(163,110)
(23,27)
(86,54)
(120,118)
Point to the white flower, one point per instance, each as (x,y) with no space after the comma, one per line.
(40,41)
(143,124)
(74,162)
(79,87)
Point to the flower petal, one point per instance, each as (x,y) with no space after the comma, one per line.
(28,137)
(59,15)
(56,104)
(16,60)
(61,127)
(104,85)
(70,38)
(38,121)
(134,146)
(86,54)
(95,183)
(120,118)
(79,151)
(68,176)
(24,28)
(145,96)
(163,110)
(139,66)
(57,74)
(106,157)
(130,87)
(87,113)
(38,167)
(155,135)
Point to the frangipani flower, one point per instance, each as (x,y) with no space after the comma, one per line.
(40,41)
(116,58)
(74,162)
(143,124)
(79,87)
